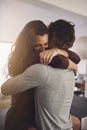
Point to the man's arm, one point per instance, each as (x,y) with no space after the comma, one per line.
(30,78)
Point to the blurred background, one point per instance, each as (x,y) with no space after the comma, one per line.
(14,14)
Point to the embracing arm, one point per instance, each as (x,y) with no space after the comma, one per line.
(58,58)
(47,55)
(73,56)
(69,54)
(14,85)
(59,61)
(30,78)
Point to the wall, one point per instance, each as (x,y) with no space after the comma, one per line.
(80,47)
(14,14)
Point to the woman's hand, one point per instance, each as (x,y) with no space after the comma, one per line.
(47,56)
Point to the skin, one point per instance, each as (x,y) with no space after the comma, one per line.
(76,123)
(42,42)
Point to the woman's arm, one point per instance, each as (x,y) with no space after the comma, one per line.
(47,55)
(73,56)
(63,63)
(59,59)
(73,66)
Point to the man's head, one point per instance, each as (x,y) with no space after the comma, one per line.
(61,34)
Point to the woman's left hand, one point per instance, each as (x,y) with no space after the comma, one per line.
(47,56)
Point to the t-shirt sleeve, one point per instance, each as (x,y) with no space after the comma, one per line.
(59,61)
(73,56)
(62,62)
(30,78)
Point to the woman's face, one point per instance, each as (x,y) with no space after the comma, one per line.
(41,42)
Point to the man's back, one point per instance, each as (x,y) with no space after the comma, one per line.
(53,94)
(53,99)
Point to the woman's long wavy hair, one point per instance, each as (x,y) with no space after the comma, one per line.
(23,51)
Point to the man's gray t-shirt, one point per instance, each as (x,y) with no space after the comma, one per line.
(53,94)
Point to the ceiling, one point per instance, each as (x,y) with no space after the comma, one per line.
(78,7)
(15,14)
(66,9)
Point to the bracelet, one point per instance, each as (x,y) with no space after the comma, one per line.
(56,50)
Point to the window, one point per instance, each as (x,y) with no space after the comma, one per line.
(5,49)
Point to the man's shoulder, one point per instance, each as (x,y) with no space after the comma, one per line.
(38,66)
(39,72)
(37,69)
